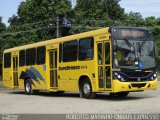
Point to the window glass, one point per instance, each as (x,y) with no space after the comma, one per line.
(60,52)
(7,60)
(86,48)
(22,58)
(70,50)
(41,55)
(31,56)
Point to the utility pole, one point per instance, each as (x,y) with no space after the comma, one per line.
(57,27)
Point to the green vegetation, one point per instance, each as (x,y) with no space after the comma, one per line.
(1,85)
(36,20)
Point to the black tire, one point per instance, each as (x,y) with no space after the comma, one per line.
(86,89)
(119,94)
(28,87)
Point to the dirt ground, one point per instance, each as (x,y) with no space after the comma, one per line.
(15,101)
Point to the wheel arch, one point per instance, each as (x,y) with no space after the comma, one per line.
(82,78)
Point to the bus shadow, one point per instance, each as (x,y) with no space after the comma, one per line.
(116,98)
(76,95)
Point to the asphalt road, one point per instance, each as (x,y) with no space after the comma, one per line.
(14,101)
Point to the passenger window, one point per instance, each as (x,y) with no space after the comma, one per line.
(41,55)
(60,52)
(70,50)
(7,60)
(22,59)
(31,56)
(86,48)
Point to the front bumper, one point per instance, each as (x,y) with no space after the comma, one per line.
(134,86)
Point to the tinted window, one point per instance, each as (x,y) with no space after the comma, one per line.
(7,60)
(86,48)
(41,55)
(70,51)
(22,58)
(60,52)
(31,56)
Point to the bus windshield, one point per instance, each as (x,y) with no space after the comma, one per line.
(134,52)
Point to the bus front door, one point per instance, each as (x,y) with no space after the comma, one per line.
(104,65)
(53,68)
(15,71)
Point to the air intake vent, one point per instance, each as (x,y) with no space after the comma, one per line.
(139,85)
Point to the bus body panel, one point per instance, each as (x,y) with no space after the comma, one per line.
(128,86)
(69,73)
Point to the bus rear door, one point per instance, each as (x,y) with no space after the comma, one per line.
(15,70)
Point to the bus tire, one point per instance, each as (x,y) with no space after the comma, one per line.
(86,89)
(28,87)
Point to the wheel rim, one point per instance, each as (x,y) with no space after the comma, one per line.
(86,89)
(28,87)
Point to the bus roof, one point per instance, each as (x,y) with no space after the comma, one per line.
(62,39)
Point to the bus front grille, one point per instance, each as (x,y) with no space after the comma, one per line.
(139,85)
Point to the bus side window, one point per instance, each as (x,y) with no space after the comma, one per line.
(60,52)
(22,59)
(31,56)
(70,51)
(7,60)
(86,48)
(41,55)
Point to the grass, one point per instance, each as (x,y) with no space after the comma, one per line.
(1,85)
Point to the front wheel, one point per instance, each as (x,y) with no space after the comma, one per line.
(86,89)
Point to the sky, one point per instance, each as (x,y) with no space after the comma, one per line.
(145,7)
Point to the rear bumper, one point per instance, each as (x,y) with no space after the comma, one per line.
(134,86)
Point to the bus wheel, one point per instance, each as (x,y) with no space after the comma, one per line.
(28,87)
(86,89)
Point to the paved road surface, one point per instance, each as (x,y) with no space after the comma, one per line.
(13,101)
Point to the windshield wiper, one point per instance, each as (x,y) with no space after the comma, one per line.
(132,48)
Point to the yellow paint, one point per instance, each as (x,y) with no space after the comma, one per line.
(68,79)
(124,86)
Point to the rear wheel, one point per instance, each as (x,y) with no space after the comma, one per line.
(86,89)
(28,87)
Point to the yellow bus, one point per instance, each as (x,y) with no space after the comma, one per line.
(117,60)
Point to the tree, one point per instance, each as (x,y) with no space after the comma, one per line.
(99,9)
(2,25)
(92,14)
(134,19)
(158,21)
(14,20)
(37,18)
(150,21)
(36,10)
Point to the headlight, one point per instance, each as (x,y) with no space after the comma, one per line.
(119,77)
(155,75)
